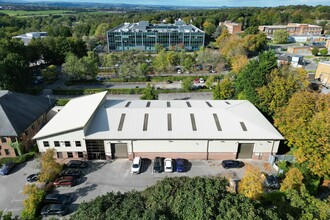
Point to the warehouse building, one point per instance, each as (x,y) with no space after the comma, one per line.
(145,36)
(93,127)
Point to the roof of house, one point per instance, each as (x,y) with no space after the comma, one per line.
(74,115)
(18,111)
(161,119)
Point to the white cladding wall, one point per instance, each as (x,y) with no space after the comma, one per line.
(107,146)
(223,146)
(232,146)
(183,146)
(70,136)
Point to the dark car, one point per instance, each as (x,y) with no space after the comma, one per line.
(169,81)
(54,209)
(64,181)
(158,165)
(179,165)
(33,177)
(271,181)
(77,164)
(57,199)
(227,164)
(71,172)
(5,169)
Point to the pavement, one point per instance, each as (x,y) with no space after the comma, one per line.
(107,176)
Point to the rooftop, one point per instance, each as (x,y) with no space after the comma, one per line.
(145,26)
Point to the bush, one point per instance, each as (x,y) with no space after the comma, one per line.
(62,102)
(18,159)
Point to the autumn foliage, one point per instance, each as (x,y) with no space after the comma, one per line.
(251,184)
(49,167)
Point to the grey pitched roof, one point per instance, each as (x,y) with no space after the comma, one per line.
(18,111)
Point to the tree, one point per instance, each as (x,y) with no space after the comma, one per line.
(49,167)
(50,73)
(251,184)
(324,51)
(187,84)
(188,63)
(282,84)
(239,62)
(223,90)
(209,28)
(209,82)
(33,201)
(304,122)
(149,93)
(293,180)
(315,51)
(19,148)
(160,62)
(280,36)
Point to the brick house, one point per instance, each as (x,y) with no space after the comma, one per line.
(21,116)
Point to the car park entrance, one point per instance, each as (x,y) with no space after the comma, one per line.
(245,151)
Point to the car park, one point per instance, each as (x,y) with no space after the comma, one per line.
(57,199)
(136,165)
(228,164)
(64,181)
(158,165)
(168,164)
(54,209)
(179,165)
(6,168)
(33,177)
(71,172)
(77,164)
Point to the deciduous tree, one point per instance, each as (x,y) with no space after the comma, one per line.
(223,90)
(49,167)
(280,36)
(149,93)
(32,202)
(293,180)
(251,184)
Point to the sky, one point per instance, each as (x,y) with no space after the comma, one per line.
(258,3)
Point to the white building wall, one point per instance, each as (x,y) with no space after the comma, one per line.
(189,146)
(232,146)
(70,136)
(223,146)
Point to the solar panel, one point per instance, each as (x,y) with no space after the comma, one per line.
(169,122)
(193,122)
(217,123)
(121,122)
(209,104)
(145,122)
(243,126)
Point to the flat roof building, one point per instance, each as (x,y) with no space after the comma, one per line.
(93,127)
(293,29)
(232,27)
(27,37)
(144,36)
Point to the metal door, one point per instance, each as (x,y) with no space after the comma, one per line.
(245,151)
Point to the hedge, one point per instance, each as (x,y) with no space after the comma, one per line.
(18,159)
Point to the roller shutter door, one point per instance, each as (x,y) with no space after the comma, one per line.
(119,151)
(245,151)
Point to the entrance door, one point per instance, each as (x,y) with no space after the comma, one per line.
(119,151)
(95,149)
(245,151)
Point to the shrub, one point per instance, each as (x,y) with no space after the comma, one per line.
(18,159)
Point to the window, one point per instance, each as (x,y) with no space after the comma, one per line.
(188,104)
(148,104)
(67,143)
(168,104)
(80,154)
(56,143)
(169,122)
(46,144)
(78,144)
(217,123)
(26,132)
(209,104)
(193,122)
(127,104)
(145,122)
(243,126)
(13,139)
(7,152)
(3,140)
(70,154)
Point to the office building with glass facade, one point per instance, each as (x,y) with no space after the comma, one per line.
(144,36)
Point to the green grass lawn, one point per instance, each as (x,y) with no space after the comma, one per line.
(36,13)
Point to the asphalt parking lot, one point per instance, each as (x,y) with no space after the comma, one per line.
(106,176)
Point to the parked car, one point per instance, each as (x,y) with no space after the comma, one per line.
(179,164)
(33,177)
(136,165)
(158,165)
(54,209)
(64,181)
(227,164)
(71,172)
(6,168)
(201,80)
(169,81)
(77,164)
(57,199)
(168,165)
(271,181)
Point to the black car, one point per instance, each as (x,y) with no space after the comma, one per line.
(227,164)
(6,168)
(33,177)
(271,181)
(71,172)
(158,165)
(57,199)
(77,164)
(54,209)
